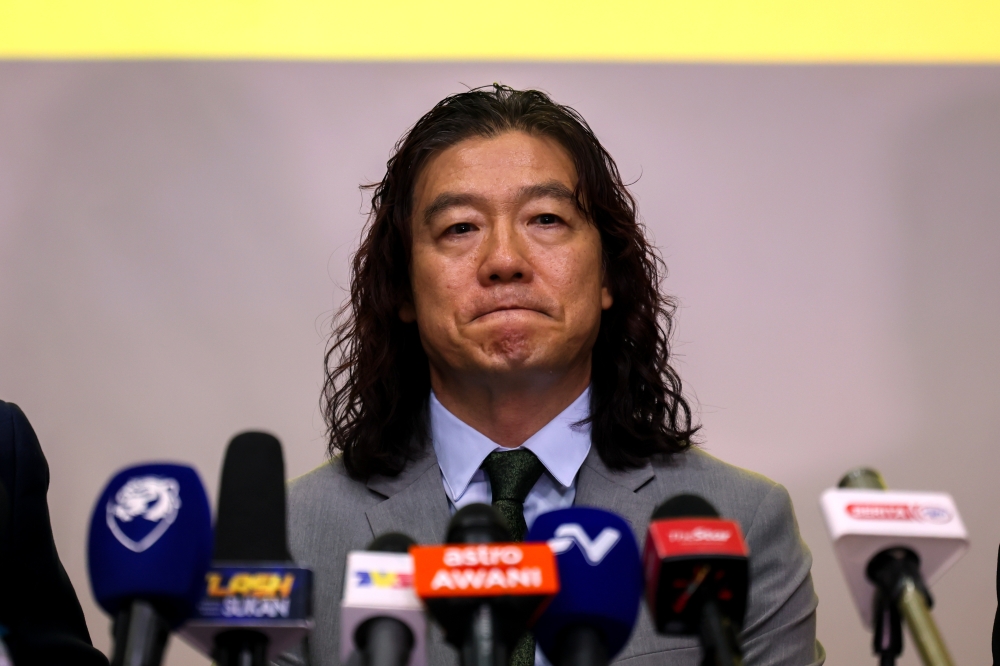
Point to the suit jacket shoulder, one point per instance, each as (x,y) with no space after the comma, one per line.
(780,624)
(331,514)
(42,612)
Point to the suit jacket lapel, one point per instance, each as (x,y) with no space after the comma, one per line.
(615,491)
(415,503)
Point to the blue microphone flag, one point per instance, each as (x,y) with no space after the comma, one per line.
(600,575)
(151,538)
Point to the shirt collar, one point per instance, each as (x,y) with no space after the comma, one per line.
(461,449)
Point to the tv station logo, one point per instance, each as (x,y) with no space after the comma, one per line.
(143,510)
(485,570)
(594,550)
(255,592)
(899,512)
(384,579)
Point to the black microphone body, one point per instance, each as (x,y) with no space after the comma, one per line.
(140,631)
(701,576)
(582,645)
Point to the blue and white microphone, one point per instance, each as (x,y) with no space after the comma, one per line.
(601,583)
(150,545)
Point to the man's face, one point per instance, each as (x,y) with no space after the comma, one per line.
(506,271)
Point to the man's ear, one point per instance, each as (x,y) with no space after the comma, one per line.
(408,313)
(607,300)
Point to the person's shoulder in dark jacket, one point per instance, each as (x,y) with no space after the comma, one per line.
(39,609)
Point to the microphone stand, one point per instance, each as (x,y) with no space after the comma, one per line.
(140,635)
(483,646)
(887,641)
(718,639)
(896,574)
(582,645)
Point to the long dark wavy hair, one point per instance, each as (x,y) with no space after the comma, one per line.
(377,374)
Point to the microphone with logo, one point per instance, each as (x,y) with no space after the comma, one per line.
(381,618)
(255,603)
(149,546)
(482,589)
(697,576)
(600,586)
(890,545)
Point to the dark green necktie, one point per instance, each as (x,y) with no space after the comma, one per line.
(512,476)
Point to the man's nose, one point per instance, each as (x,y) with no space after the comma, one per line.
(505,258)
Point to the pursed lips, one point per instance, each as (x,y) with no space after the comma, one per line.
(507,308)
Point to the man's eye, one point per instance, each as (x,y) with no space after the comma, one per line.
(460,228)
(548,219)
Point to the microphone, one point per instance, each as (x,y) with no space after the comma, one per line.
(381,617)
(149,546)
(600,586)
(482,589)
(255,603)
(890,545)
(697,576)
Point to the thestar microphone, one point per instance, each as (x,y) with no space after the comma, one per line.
(697,576)
(255,603)
(600,586)
(381,617)
(482,589)
(149,546)
(891,545)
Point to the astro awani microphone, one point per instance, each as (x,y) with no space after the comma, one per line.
(482,589)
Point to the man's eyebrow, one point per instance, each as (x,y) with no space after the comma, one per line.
(446,200)
(553,189)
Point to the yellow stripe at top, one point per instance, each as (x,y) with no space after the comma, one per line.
(961,31)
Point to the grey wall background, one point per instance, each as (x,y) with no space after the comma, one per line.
(174,239)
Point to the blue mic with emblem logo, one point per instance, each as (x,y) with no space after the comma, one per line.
(601,584)
(149,547)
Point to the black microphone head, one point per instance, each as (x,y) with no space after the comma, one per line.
(863,478)
(392,542)
(250,524)
(685,506)
(478,523)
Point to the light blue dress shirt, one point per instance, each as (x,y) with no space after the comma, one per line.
(560,445)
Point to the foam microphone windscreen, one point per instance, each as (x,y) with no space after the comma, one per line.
(253,587)
(151,538)
(391,542)
(685,506)
(692,556)
(600,577)
(251,523)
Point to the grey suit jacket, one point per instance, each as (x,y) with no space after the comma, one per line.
(331,514)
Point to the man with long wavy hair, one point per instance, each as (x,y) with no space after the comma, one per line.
(506,322)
